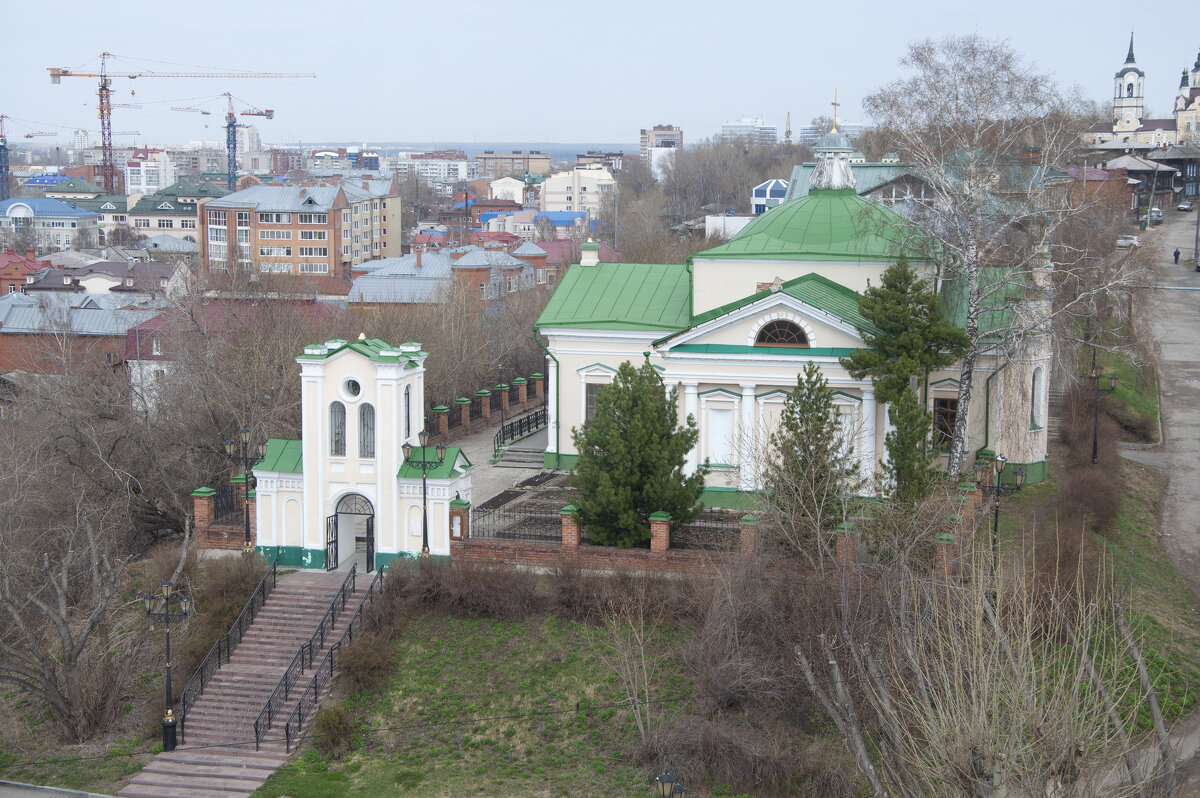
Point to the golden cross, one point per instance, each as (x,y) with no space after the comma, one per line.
(835,105)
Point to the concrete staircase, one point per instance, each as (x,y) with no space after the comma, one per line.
(218,759)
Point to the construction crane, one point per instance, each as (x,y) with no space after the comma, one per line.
(36,133)
(787,129)
(105,96)
(231,127)
(3,161)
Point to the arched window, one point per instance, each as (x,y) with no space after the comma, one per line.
(781,332)
(407,412)
(366,430)
(337,429)
(1129,90)
(1036,411)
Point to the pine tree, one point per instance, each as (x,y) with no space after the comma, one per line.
(631,459)
(809,470)
(909,458)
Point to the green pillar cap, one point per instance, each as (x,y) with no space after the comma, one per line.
(985,454)
(661,515)
(483,392)
(946,537)
(500,387)
(570,509)
(750,519)
(462,400)
(238,480)
(204,492)
(459,504)
(537,375)
(441,409)
(519,380)
(847,529)
(967,486)
(961,500)
(954,518)
(253,494)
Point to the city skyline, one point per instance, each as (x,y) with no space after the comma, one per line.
(434,77)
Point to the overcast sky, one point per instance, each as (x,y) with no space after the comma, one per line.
(533,71)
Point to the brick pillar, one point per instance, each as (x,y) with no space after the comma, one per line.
(460,519)
(943,555)
(660,531)
(203,509)
(570,525)
(536,385)
(748,543)
(250,497)
(484,397)
(503,390)
(464,411)
(441,420)
(522,390)
(846,541)
(238,484)
(968,509)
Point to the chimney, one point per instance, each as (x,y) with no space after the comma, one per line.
(303,192)
(419,251)
(589,253)
(366,185)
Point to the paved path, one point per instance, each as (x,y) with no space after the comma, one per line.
(486,479)
(1174,312)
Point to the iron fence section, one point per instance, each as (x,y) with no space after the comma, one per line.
(324,672)
(709,532)
(514,394)
(515,523)
(495,400)
(303,658)
(225,503)
(219,653)
(519,428)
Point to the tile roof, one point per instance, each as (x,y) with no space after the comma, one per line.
(629,296)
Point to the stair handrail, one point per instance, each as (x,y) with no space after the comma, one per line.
(324,672)
(303,658)
(519,428)
(220,651)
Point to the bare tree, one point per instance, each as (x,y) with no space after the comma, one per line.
(986,131)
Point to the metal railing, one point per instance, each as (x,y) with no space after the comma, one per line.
(323,674)
(709,532)
(516,523)
(519,428)
(225,504)
(303,659)
(224,646)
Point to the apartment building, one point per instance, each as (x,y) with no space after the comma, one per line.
(750,130)
(174,211)
(660,137)
(319,230)
(148,172)
(583,188)
(493,164)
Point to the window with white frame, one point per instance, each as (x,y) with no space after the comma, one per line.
(366,430)
(337,429)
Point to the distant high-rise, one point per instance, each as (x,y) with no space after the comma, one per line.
(750,129)
(661,137)
(80,141)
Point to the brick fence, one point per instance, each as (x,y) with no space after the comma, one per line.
(226,533)
(466,415)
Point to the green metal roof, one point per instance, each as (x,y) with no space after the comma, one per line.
(370,348)
(283,455)
(812,289)
(827,225)
(446,470)
(621,296)
(1001,288)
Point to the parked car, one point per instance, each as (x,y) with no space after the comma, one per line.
(1186,206)
(1125,242)
(1153,216)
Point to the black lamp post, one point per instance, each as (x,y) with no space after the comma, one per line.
(667,785)
(997,490)
(163,601)
(246,461)
(423,438)
(1094,375)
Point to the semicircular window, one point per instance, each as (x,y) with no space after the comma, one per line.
(781,332)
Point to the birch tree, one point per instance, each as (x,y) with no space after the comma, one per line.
(986,132)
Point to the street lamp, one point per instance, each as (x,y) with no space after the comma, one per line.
(997,490)
(423,438)
(163,601)
(666,785)
(1094,376)
(246,461)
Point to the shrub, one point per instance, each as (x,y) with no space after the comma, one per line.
(366,663)
(333,731)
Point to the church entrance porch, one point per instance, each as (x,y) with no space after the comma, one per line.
(353,520)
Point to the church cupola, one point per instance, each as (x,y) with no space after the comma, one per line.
(833,152)
(1128,106)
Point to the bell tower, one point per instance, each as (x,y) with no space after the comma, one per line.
(1128,97)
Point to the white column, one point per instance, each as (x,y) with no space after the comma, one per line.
(552,407)
(887,421)
(748,454)
(868,432)
(690,408)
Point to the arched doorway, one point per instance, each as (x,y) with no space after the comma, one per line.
(353,517)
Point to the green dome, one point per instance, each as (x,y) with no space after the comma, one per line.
(827,225)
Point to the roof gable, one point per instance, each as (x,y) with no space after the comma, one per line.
(625,296)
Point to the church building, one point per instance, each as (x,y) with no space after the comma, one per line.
(733,327)
(1130,129)
(359,470)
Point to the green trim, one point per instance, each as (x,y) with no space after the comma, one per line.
(570,509)
(742,349)
(849,396)
(440,409)
(748,519)
(1034,472)
(204,492)
(313,558)
(597,365)
(729,498)
(946,537)
(370,348)
(943,381)
(284,456)
(447,469)
(253,494)
(966,486)
(537,375)
(237,480)
(774,392)
(1036,428)
(459,504)
(289,556)
(558,404)
(462,400)
(725,391)
(483,392)
(519,380)
(384,559)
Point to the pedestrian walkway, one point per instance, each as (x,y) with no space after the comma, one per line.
(488,479)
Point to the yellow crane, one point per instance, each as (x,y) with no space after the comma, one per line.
(106,105)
